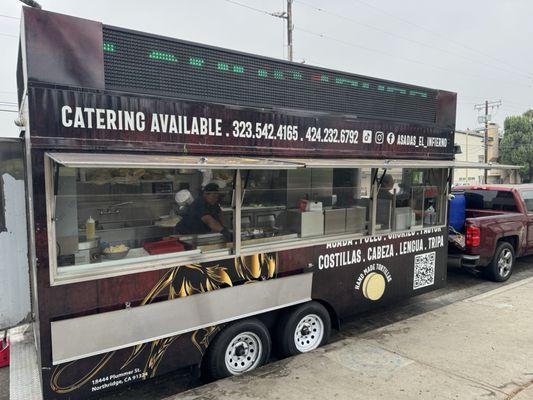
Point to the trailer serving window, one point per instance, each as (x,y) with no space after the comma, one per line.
(114,214)
(281,205)
(410,198)
(119,214)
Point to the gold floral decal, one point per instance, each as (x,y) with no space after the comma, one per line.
(256,266)
(180,281)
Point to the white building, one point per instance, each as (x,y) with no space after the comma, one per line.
(473,150)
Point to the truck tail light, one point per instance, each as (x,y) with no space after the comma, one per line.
(473,236)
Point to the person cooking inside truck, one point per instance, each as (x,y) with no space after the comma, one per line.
(204,215)
(385,189)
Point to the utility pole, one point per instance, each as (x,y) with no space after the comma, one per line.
(479,107)
(288,16)
(289,29)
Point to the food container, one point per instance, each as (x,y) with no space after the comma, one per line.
(313,206)
(115,255)
(334,221)
(404,218)
(183,197)
(356,219)
(164,246)
(307,223)
(88,250)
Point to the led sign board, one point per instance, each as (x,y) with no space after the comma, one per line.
(144,63)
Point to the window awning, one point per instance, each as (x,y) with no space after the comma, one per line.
(473,165)
(367,163)
(107,160)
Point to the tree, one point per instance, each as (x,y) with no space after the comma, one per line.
(528,113)
(516,146)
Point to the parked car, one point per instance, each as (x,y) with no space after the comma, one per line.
(497,227)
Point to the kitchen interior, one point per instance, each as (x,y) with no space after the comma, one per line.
(108,214)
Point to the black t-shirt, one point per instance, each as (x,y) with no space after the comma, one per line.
(192,221)
(385,194)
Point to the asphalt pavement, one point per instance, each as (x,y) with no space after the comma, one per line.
(479,347)
(372,351)
(461,285)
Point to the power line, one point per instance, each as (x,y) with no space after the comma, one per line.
(395,35)
(259,10)
(519,109)
(519,104)
(461,99)
(368,48)
(8,35)
(8,16)
(469,48)
(287,15)
(323,36)
(5,110)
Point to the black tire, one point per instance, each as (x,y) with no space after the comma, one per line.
(295,319)
(501,266)
(228,342)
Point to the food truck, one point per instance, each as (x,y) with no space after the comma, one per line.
(193,206)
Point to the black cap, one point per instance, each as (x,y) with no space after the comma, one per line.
(211,187)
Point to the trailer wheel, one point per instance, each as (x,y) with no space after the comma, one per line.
(501,266)
(240,347)
(303,328)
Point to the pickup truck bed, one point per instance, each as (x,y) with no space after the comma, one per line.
(498,228)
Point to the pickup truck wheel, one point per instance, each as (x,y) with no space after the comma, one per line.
(501,266)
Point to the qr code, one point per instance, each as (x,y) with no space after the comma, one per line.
(424,270)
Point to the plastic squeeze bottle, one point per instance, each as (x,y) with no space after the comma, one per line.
(430,215)
(90,228)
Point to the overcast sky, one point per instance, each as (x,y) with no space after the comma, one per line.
(480,49)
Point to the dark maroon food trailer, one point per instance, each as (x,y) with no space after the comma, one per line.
(196,206)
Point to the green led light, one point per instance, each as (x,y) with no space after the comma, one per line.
(342,81)
(324,78)
(238,69)
(262,73)
(365,85)
(391,89)
(197,62)
(296,75)
(417,93)
(396,90)
(278,74)
(160,55)
(109,47)
(222,66)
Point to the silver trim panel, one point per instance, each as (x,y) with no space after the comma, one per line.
(122,160)
(101,333)
(389,163)
(96,160)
